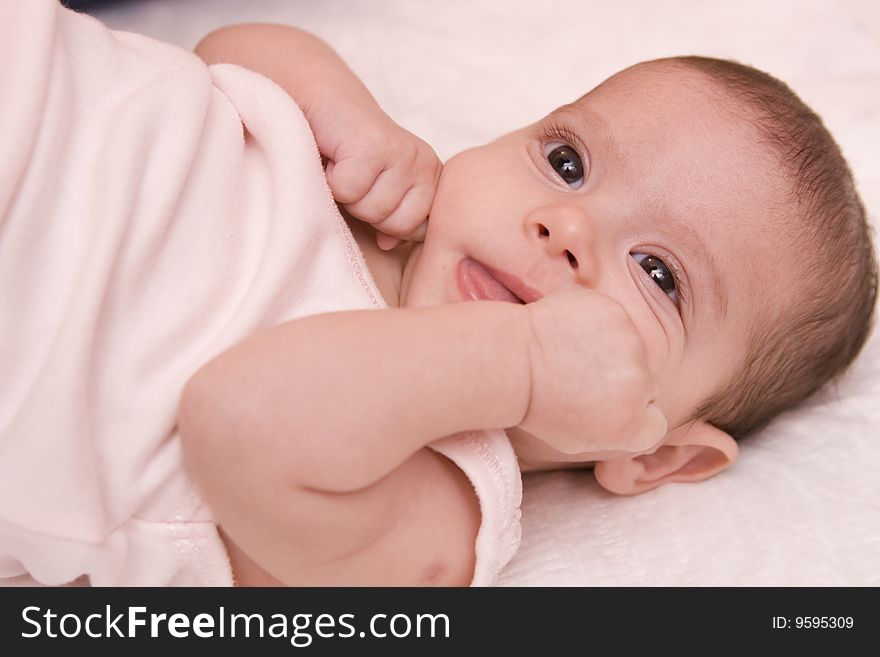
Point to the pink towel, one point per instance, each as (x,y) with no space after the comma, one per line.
(154,212)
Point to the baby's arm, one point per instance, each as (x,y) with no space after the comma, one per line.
(307,439)
(303,65)
(378,171)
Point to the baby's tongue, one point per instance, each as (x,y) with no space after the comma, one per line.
(484,284)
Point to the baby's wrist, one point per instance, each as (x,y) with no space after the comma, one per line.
(336,121)
(494,355)
(514,362)
(337,106)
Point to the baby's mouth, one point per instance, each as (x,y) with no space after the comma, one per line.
(478,282)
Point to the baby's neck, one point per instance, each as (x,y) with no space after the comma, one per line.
(386,267)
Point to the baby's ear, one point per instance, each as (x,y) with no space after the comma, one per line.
(691,452)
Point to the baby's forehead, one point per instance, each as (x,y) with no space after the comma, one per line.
(671,115)
(661,83)
(666,127)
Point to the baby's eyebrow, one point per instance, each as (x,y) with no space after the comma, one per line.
(580,112)
(590,124)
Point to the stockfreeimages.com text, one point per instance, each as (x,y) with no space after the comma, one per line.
(300,629)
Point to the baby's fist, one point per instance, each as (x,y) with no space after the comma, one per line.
(381,173)
(592,390)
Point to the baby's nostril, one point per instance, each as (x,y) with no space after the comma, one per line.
(542,231)
(571,259)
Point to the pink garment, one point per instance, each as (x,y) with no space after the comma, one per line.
(487,458)
(143,231)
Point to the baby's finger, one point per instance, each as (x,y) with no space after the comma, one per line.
(351,179)
(383,198)
(652,430)
(387,242)
(409,218)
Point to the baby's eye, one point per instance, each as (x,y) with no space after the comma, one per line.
(566,162)
(658,271)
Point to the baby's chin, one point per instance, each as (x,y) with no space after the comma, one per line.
(409,293)
(426,279)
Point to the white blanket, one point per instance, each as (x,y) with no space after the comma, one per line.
(802,507)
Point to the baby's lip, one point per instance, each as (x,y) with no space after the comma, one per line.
(515,285)
(478,281)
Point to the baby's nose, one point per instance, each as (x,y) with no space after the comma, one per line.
(568,235)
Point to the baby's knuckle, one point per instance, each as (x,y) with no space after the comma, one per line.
(424,193)
(615,319)
(621,318)
(408,152)
(345,191)
(628,386)
(366,214)
(616,419)
(372,143)
(427,155)
(394,224)
(636,347)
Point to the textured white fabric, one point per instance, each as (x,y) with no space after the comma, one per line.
(803,504)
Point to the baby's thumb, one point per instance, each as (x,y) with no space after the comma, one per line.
(387,242)
(418,235)
(653,429)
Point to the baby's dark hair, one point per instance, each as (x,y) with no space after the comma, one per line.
(823,330)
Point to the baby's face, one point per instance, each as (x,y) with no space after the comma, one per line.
(663,199)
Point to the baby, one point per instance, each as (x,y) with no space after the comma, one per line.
(631,284)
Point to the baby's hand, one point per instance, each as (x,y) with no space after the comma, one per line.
(378,171)
(591,389)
